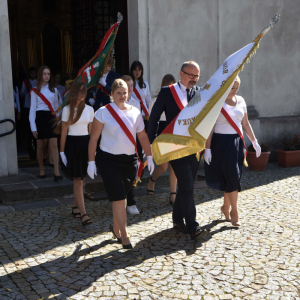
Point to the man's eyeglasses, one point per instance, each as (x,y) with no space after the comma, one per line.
(192,76)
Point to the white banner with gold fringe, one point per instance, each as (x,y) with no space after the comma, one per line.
(188,132)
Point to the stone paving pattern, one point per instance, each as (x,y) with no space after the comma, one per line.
(47,254)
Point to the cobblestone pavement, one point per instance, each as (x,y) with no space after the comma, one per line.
(47,254)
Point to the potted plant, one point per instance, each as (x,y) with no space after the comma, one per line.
(290,155)
(258,163)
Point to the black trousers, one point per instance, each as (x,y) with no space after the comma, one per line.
(184,207)
(30,139)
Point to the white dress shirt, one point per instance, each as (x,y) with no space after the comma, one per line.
(81,126)
(135,103)
(113,138)
(144,92)
(183,89)
(16,99)
(222,126)
(38,104)
(24,92)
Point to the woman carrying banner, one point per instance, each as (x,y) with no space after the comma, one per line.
(45,100)
(166,81)
(118,123)
(76,125)
(225,152)
(141,90)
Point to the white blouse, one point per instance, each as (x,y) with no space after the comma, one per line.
(162,116)
(240,109)
(81,126)
(113,138)
(145,93)
(38,104)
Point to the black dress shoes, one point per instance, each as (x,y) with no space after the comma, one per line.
(181,227)
(199,233)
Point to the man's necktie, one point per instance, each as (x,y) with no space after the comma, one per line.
(188,96)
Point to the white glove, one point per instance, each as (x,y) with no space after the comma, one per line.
(63,158)
(150,164)
(207,156)
(92,169)
(92,101)
(257,148)
(102,81)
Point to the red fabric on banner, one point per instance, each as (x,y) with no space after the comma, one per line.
(141,101)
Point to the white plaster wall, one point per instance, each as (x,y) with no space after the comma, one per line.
(8,149)
(208,31)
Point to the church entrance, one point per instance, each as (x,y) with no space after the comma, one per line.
(63,35)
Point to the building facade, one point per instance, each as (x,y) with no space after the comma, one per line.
(162,34)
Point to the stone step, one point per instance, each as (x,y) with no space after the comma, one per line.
(27,187)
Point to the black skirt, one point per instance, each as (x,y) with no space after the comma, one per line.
(76,151)
(44,123)
(118,173)
(225,170)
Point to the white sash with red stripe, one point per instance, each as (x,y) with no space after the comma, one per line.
(125,125)
(178,96)
(233,121)
(45,100)
(145,111)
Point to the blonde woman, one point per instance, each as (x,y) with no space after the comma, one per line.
(118,123)
(224,153)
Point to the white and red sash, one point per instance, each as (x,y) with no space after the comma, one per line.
(233,121)
(45,100)
(176,91)
(116,115)
(143,106)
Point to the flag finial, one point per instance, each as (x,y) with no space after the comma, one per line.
(272,23)
(119,17)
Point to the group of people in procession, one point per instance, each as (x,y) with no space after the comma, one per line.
(109,129)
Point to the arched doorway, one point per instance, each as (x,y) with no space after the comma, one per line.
(52,55)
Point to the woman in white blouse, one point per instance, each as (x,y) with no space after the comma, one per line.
(224,153)
(76,125)
(118,123)
(45,100)
(142,86)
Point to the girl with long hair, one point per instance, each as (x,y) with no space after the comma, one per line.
(141,90)
(118,123)
(76,126)
(166,81)
(45,100)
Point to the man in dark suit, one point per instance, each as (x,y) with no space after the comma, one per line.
(106,81)
(185,168)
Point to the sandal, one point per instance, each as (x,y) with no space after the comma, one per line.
(171,203)
(150,191)
(86,222)
(76,215)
